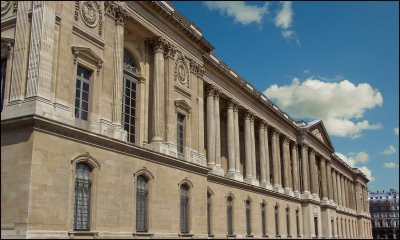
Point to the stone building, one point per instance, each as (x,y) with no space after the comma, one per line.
(384,209)
(118,121)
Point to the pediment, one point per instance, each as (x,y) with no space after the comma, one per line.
(183,106)
(318,130)
(79,51)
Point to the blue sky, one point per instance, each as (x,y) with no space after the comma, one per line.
(345,54)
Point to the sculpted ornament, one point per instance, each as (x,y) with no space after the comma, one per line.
(5,6)
(181,71)
(90,13)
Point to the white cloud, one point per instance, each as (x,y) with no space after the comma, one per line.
(389,150)
(241,11)
(340,105)
(284,17)
(287,34)
(396,131)
(390,165)
(354,158)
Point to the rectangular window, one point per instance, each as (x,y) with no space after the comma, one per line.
(82,93)
(316,226)
(180,134)
(129,107)
(3,79)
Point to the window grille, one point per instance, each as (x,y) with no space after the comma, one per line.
(248,217)
(288,221)
(141,204)
(180,134)
(276,220)
(229,210)
(3,79)
(129,98)
(263,219)
(82,93)
(209,212)
(184,209)
(82,197)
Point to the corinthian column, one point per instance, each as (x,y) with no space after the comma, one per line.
(274,159)
(324,183)
(304,166)
(231,140)
(279,162)
(217,130)
(313,174)
(237,143)
(248,147)
(334,190)
(253,150)
(267,183)
(210,128)
(339,192)
(261,135)
(329,179)
(286,166)
(296,182)
(158,90)
(118,70)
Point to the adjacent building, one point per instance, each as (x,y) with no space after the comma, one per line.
(384,209)
(119,121)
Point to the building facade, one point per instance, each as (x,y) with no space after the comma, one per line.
(384,209)
(118,121)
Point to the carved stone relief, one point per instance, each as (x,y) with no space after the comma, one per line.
(181,71)
(6,6)
(91,14)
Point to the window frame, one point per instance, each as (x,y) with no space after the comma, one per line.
(264,219)
(182,124)
(79,188)
(145,197)
(230,215)
(83,81)
(184,209)
(248,218)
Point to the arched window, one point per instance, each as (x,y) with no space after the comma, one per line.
(264,218)
(184,208)
(288,221)
(83,187)
(298,222)
(277,220)
(129,99)
(229,213)
(141,203)
(248,217)
(209,212)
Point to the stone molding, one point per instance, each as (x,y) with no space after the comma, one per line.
(87,52)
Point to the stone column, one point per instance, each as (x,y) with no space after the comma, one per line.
(231,140)
(324,180)
(329,180)
(279,162)
(118,70)
(267,167)
(237,143)
(261,135)
(344,201)
(313,174)
(253,151)
(210,128)
(286,167)
(334,190)
(339,192)
(275,159)
(248,148)
(296,180)
(304,166)
(217,130)
(158,90)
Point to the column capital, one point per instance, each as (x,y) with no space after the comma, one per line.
(261,125)
(265,124)
(216,93)
(294,145)
(158,44)
(231,104)
(322,159)
(169,50)
(285,139)
(210,90)
(304,145)
(312,151)
(113,9)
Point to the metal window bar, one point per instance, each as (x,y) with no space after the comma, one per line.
(248,220)
(82,93)
(82,198)
(180,134)
(276,221)
(3,79)
(141,204)
(184,209)
(263,221)
(229,216)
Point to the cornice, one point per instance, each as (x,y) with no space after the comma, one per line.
(171,14)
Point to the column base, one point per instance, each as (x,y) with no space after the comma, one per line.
(161,147)
(297,194)
(266,185)
(278,188)
(217,170)
(315,197)
(288,191)
(306,195)
(252,181)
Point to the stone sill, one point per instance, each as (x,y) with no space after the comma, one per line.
(143,234)
(231,236)
(185,234)
(83,233)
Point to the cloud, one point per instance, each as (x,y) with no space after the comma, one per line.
(396,131)
(287,34)
(354,158)
(389,150)
(284,17)
(390,165)
(340,105)
(241,11)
